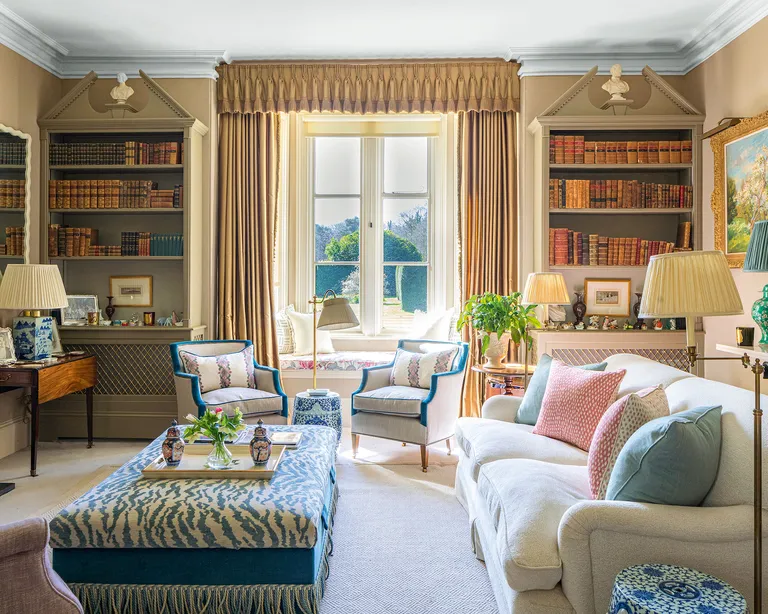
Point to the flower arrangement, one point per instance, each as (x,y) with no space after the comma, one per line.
(216,425)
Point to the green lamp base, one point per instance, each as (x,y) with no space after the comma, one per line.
(760,315)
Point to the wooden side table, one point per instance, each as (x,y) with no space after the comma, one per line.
(52,380)
(509,379)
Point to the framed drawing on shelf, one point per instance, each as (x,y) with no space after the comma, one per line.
(78,306)
(740,194)
(7,351)
(607,297)
(131,290)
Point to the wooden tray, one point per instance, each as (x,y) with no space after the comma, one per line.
(193,465)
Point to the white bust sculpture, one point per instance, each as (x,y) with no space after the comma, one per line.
(615,86)
(121,92)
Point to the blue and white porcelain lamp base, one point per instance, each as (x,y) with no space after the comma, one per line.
(33,336)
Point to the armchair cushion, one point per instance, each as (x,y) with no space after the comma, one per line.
(223,371)
(250,400)
(485,441)
(393,400)
(414,369)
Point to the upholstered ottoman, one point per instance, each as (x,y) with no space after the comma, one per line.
(186,546)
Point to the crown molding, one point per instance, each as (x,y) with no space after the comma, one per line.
(159,64)
(18,34)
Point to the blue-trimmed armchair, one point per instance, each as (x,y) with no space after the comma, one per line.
(266,402)
(403,413)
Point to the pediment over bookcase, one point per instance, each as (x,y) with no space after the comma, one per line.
(662,99)
(158,106)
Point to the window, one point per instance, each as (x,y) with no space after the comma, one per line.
(369,219)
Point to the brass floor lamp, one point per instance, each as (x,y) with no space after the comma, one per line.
(698,284)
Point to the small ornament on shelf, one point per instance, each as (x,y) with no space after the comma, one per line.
(610,324)
(579,307)
(594,323)
(658,324)
(580,326)
(672,324)
(550,325)
(628,325)
(568,326)
(636,310)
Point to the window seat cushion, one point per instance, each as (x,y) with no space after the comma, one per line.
(337,361)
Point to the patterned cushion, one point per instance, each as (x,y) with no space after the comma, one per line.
(416,370)
(574,403)
(622,419)
(214,372)
(285,343)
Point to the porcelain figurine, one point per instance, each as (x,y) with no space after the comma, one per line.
(628,325)
(643,326)
(550,325)
(594,323)
(615,86)
(579,307)
(173,446)
(580,326)
(261,445)
(610,324)
(568,326)
(658,324)
(672,324)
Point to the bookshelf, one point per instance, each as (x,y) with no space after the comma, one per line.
(14,196)
(108,196)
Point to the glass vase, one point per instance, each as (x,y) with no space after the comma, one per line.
(220,457)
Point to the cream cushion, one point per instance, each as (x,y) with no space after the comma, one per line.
(485,441)
(250,401)
(642,373)
(392,400)
(526,500)
(302,325)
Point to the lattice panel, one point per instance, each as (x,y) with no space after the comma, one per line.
(674,357)
(131,369)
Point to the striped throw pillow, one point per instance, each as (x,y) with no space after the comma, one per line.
(416,370)
(285,341)
(226,371)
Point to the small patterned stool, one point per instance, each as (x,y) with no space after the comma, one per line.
(667,589)
(323,411)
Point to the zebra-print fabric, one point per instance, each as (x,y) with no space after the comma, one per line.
(127,511)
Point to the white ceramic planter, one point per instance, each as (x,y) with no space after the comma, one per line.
(497,350)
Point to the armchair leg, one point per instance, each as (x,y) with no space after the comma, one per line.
(424,458)
(448,445)
(355,444)
(403,444)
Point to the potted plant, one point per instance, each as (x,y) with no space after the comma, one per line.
(218,427)
(497,319)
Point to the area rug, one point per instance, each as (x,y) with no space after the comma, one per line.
(82,487)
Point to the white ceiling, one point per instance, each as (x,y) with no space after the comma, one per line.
(343,29)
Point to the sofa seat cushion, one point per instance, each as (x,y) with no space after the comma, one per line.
(485,441)
(526,500)
(250,401)
(393,400)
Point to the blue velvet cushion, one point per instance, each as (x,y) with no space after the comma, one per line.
(671,460)
(537,385)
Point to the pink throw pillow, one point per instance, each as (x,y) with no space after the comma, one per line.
(618,423)
(574,402)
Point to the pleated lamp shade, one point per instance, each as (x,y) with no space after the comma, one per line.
(32,286)
(545,289)
(337,314)
(756,260)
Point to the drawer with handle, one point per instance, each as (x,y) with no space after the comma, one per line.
(17,378)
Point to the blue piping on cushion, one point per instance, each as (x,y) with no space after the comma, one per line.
(463,353)
(196,395)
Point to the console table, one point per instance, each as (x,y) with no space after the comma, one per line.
(52,380)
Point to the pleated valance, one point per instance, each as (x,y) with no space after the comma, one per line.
(364,88)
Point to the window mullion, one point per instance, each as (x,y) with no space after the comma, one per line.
(370,243)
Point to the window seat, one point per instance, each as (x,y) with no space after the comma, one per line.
(337,361)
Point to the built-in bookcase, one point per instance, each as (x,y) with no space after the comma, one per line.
(12,198)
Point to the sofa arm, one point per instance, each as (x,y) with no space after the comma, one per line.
(440,410)
(268,380)
(29,535)
(597,539)
(501,407)
(374,378)
(189,399)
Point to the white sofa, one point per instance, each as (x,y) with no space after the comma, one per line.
(549,548)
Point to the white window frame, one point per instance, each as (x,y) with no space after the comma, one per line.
(297,254)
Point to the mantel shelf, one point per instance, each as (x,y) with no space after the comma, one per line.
(122,258)
(156,211)
(646,211)
(603,167)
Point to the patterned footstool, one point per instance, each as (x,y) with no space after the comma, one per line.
(323,411)
(666,589)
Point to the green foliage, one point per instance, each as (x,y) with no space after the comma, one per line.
(738,236)
(331,277)
(216,424)
(411,284)
(492,313)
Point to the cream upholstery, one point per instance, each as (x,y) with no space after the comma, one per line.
(533,522)
(251,402)
(392,400)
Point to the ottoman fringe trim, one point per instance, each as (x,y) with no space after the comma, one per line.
(193,599)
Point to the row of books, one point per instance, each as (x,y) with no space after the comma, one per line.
(111,194)
(684,236)
(571,248)
(104,250)
(573,149)
(130,153)
(13,153)
(617,194)
(69,241)
(14,241)
(151,244)
(12,193)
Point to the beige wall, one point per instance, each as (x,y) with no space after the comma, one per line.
(732,83)
(27,92)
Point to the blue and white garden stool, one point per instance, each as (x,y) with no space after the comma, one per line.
(667,589)
(323,411)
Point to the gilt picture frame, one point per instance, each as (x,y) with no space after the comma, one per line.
(740,191)
(131,290)
(608,297)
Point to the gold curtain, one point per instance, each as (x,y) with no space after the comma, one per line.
(369,87)
(488,214)
(249,179)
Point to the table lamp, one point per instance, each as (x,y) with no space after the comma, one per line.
(543,289)
(31,288)
(756,261)
(337,314)
(693,284)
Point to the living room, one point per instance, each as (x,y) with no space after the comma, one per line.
(324,309)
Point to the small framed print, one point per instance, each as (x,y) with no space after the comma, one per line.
(7,351)
(131,290)
(607,297)
(78,306)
